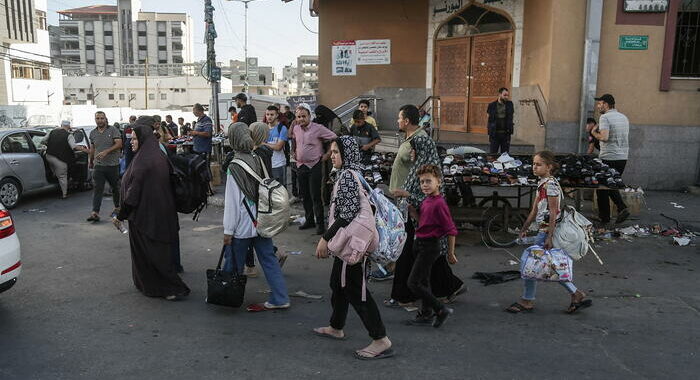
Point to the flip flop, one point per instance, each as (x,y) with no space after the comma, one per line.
(329,336)
(516,308)
(256,307)
(579,305)
(375,356)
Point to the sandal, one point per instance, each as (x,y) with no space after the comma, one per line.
(517,307)
(329,336)
(579,305)
(374,355)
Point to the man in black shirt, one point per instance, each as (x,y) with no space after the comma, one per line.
(247,112)
(365,134)
(500,122)
(171,125)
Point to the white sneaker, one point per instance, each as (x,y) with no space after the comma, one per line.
(271,306)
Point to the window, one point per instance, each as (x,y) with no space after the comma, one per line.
(90,97)
(90,61)
(109,47)
(110,96)
(143,47)
(163,96)
(686,52)
(89,47)
(30,70)
(109,61)
(162,48)
(122,97)
(163,61)
(183,90)
(16,143)
(151,96)
(108,32)
(40,20)
(177,90)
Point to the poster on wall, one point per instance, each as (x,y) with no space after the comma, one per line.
(344,55)
(373,52)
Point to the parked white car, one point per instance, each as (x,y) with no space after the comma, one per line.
(10,260)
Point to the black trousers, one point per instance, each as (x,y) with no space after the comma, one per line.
(604,195)
(499,143)
(310,188)
(351,294)
(427,250)
(442,281)
(100,174)
(295,182)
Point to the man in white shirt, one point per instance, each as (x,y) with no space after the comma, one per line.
(613,134)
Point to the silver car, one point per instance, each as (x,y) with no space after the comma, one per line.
(23,169)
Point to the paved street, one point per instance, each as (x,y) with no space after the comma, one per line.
(75,314)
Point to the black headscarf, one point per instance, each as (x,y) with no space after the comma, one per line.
(347,197)
(146,192)
(324,116)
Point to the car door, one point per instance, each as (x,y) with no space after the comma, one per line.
(24,161)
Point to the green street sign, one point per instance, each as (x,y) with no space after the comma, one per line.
(634,43)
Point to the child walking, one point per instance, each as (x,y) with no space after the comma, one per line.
(434,222)
(545,211)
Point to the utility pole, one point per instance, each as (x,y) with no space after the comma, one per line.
(145,78)
(213,72)
(245,43)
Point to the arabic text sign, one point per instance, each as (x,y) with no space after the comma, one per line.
(634,43)
(344,55)
(373,52)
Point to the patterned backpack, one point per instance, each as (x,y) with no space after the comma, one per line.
(390,226)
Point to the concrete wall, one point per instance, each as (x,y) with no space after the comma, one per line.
(393,98)
(405,23)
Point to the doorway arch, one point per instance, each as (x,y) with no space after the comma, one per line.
(473,58)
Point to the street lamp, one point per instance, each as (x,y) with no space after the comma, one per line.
(245,45)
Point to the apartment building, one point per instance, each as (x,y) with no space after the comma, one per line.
(307,74)
(26,74)
(106,39)
(262,80)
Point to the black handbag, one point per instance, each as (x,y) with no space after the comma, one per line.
(225,288)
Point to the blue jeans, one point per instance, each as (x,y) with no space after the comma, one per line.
(268,262)
(530,286)
(280,174)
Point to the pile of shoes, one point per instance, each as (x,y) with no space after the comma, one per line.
(587,171)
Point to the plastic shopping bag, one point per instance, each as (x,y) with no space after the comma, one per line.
(546,265)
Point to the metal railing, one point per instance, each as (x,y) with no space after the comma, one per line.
(434,116)
(540,116)
(345,110)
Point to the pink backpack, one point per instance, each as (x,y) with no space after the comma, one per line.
(353,242)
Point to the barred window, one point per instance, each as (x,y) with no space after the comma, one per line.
(686,53)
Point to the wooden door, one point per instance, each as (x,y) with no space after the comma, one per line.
(491,63)
(452,82)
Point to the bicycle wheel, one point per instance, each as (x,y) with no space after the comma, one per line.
(501,231)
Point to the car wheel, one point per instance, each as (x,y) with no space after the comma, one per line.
(9,192)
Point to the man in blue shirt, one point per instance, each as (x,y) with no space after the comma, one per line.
(202,132)
(277,141)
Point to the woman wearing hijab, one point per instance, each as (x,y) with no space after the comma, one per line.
(259,132)
(149,206)
(345,156)
(326,117)
(240,207)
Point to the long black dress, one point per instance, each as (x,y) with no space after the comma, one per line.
(149,206)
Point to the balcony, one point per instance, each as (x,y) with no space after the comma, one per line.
(70,51)
(70,37)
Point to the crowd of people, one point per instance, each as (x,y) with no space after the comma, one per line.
(326,158)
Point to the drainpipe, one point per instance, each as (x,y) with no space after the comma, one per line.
(591,49)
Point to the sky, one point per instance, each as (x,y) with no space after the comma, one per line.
(275,33)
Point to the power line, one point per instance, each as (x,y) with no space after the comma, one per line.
(301,7)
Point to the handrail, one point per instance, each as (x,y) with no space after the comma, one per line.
(355,99)
(540,116)
(429,98)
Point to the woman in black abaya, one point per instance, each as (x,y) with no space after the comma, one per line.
(149,206)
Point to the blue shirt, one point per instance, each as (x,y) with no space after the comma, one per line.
(278,158)
(203,144)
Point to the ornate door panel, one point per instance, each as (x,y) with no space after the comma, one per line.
(491,63)
(452,83)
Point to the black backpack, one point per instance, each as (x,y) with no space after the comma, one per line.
(286,143)
(190,179)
